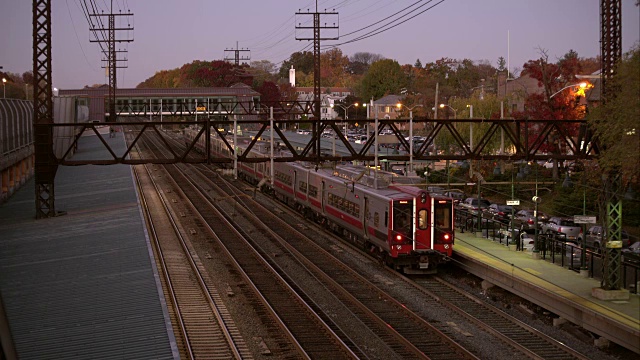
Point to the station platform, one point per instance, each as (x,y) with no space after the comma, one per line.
(82,285)
(558,289)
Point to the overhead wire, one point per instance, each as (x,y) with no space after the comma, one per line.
(78,38)
(384,28)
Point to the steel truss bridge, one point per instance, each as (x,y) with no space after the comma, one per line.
(443,139)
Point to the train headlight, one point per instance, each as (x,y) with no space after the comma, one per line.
(398,238)
(447,237)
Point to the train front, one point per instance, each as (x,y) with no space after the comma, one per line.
(430,235)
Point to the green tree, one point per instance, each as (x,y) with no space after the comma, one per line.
(301,61)
(617,122)
(384,77)
(501,64)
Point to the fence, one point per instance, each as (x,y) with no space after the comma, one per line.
(553,248)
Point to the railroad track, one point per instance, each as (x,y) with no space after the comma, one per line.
(507,329)
(504,326)
(404,332)
(204,327)
(524,339)
(302,334)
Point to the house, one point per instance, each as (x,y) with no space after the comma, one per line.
(386,107)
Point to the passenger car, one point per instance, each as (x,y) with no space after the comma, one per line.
(472,205)
(457,195)
(562,229)
(525,220)
(632,253)
(498,212)
(594,238)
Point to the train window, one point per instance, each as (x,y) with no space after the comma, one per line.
(386,219)
(422,219)
(376,219)
(303,186)
(357,210)
(443,216)
(313,191)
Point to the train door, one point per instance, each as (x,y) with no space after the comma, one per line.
(442,224)
(365,217)
(422,235)
(294,186)
(322,196)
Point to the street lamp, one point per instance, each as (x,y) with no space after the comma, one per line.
(346,113)
(582,85)
(399,105)
(4,88)
(455,112)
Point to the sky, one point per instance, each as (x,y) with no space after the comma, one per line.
(168,34)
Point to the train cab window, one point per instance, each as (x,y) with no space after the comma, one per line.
(422,219)
(443,216)
(402,221)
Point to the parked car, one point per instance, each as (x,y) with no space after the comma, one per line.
(525,220)
(472,205)
(632,254)
(456,195)
(562,229)
(498,212)
(436,189)
(594,238)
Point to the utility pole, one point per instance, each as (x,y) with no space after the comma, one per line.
(45,162)
(236,55)
(316,60)
(611,53)
(111,52)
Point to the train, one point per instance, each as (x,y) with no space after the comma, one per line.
(405,226)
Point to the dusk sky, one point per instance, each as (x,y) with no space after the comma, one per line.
(169,34)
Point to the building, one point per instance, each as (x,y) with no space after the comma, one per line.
(168,101)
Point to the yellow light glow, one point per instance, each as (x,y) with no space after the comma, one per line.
(398,105)
(442,106)
(582,87)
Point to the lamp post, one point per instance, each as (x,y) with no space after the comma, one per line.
(455,112)
(346,113)
(4,88)
(399,105)
(582,85)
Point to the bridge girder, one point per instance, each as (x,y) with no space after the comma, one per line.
(523,140)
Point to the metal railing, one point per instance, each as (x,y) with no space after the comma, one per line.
(553,247)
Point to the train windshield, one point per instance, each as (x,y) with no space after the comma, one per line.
(402,215)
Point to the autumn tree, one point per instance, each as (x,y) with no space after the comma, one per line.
(269,93)
(162,79)
(552,102)
(333,68)
(215,73)
(262,70)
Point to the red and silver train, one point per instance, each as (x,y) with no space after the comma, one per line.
(405,226)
